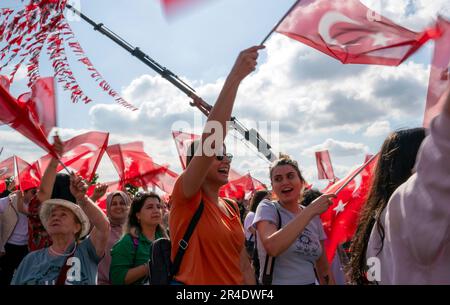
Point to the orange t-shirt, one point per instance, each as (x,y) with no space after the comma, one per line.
(213,254)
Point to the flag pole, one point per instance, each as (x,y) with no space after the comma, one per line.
(261,144)
(59,160)
(355,174)
(279,22)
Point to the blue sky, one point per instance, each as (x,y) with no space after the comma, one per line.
(317,102)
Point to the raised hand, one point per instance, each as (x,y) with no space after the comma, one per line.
(58,145)
(78,187)
(99,191)
(246,62)
(321,204)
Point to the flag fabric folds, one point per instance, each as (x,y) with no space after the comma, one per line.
(29,175)
(82,154)
(350,32)
(324,166)
(340,220)
(136,167)
(22,120)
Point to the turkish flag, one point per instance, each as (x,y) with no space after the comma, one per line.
(439,74)
(237,189)
(13,114)
(183,141)
(7,168)
(82,154)
(258,185)
(350,32)
(340,220)
(165,181)
(40,104)
(133,164)
(324,166)
(2,186)
(43,103)
(29,174)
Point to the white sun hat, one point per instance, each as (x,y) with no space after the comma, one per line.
(47,206)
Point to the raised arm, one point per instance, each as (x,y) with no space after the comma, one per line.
(48,179)
(420,207)
(277,241)
(215,127)
(99,221)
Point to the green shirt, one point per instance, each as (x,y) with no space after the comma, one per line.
(125,255)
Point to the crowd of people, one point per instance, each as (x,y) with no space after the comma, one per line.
(55,234)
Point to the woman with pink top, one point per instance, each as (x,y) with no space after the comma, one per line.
(117,207)
(403,235)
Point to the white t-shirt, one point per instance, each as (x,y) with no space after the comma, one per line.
(19,236)
(248,221)
(295,266)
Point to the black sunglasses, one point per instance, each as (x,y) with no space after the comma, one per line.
(229,156)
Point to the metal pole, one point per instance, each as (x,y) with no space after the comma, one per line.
(262,146)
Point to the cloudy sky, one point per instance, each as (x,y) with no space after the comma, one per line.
(299,99)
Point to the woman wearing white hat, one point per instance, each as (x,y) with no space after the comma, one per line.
(68,261)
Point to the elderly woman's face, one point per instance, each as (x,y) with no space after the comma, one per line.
(62,221)
(119,208)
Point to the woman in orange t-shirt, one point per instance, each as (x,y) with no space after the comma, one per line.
(216,254)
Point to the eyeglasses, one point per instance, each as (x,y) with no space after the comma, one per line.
(229,156)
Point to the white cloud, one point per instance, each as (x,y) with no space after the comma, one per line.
(379,128)
(314,99)
(338,148)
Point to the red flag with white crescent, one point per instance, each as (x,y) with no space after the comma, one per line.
(134,165)
(340,220)
(7,168)
(350,32)
(29,174)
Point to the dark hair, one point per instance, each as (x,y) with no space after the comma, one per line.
(257,198)
(61,188)
(136,207)
(394,167)
(309,196)
(285,160)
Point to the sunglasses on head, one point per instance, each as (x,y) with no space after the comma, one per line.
(229,156)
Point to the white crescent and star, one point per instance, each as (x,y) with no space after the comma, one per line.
(33,174)
(329,19)
(358,182)
(340,207)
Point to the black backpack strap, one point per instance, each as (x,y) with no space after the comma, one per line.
(269,264)
(184,243)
